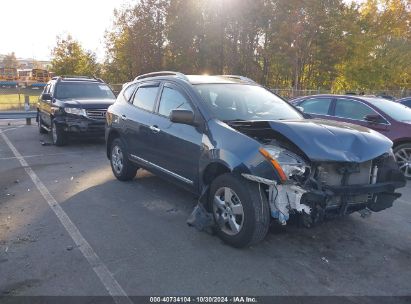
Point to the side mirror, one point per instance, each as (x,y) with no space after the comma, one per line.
(182,116)
(300,108)
(374,118)
(46,97)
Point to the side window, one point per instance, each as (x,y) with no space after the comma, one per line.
(129,91)
(352,109)
(171,100)
(316,105)
(145,97)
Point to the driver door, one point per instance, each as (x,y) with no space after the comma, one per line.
(176,147)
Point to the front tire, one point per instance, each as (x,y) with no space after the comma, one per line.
(402,154)
(240,210)
(123,169)
(58,135)
(40,125)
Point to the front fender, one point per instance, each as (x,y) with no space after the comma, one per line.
(238,152)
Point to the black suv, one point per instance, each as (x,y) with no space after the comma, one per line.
(248,154)
(73,105)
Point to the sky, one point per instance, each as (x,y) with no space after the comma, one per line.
(29,28)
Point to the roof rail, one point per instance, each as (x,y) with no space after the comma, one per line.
(98,79)
(81,78)
(74,76)
(162,73)
(238,77)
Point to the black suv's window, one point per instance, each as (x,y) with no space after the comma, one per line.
(352,109)
(318,106)
(79,90)
(145,97)
(171,100)
(245,102)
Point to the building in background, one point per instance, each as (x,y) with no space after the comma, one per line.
(29,63)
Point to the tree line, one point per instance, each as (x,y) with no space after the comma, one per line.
(300,44)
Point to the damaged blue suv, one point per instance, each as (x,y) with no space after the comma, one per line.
(247,154)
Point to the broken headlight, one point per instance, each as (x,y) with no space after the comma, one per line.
(75,111)
(286,163)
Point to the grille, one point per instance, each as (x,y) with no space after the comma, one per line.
(99,114)
(329,175)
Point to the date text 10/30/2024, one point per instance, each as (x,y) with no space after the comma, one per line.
(203,300)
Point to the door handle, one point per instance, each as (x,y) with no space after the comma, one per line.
(155,129)
(123,116)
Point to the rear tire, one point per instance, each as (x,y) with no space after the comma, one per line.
(59,136)
(402,155)
(123,169)
(240,209)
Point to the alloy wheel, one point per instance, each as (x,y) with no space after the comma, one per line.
(403,158)
(117,159)
(228,211)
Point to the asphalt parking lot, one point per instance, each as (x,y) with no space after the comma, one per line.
(138,242)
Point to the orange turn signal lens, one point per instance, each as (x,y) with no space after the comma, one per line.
(275,164)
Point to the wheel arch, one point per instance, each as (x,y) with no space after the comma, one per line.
(212,171)
(401,141)
(113,134)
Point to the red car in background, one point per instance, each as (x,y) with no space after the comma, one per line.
(385,116)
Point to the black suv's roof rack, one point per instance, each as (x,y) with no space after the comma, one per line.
(162,73)
(238,77)
(76,77)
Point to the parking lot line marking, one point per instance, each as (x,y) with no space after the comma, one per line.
(41,155)
(105,276)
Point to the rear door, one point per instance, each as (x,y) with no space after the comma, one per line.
(176,147)
(317,107)
(137,120)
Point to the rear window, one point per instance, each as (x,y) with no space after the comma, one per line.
(79,90)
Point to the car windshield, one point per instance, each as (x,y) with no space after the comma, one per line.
(76,90)
(396,110)
(231,102)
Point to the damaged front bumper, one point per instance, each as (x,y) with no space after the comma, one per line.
(82,125)
(314,201)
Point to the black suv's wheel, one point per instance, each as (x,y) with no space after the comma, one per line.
(402,155)
(240,210)
(40,125)
(123,168)
(58,135)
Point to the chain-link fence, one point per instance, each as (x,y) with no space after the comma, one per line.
(13,98)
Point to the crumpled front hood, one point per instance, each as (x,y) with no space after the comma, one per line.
(88,103)
(323,140)
(332,141)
